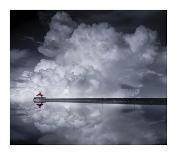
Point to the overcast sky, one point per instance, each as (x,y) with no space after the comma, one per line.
(87,54)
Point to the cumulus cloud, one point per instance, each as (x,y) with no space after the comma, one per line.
(86,61)
(61,28)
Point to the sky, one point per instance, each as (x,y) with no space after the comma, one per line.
(87,54)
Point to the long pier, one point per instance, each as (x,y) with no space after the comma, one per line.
(135,101)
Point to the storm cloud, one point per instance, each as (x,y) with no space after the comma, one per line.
(92,60)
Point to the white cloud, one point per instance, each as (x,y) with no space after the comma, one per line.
(61,27)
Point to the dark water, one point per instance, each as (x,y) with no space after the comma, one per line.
(124,122)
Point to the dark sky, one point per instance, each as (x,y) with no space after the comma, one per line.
(36,23)
(144,125)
